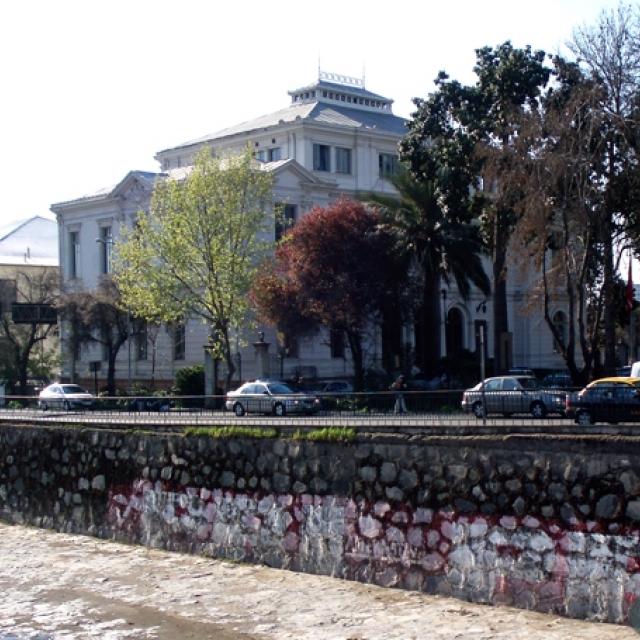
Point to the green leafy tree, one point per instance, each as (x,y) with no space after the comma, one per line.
(195,253)
(442,246)
(454,139)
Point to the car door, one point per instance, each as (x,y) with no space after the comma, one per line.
(626,406)
(603,403)
(512,396)
(262,399)
(248,399)
(493,395)
(56,396)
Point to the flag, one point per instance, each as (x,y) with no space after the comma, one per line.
(628,296)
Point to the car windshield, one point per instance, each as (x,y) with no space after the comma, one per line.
(279,388)
(72,388)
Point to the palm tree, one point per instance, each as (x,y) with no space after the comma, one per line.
(443,246)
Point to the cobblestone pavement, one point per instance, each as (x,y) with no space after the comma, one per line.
(63,587)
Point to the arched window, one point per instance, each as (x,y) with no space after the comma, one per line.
(454,331)
(560,325)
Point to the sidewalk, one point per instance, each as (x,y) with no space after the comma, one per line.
(63,587)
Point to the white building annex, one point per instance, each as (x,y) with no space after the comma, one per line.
(335,138)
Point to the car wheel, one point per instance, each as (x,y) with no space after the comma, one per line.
(278,409)
(66,406)
(478,410)
(584,418)
(44,406)
(538,410)
(238,409)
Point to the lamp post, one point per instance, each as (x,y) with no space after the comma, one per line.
(105,242)
(482,307)
(445,351)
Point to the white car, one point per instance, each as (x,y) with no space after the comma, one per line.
(65,396)
(270,397)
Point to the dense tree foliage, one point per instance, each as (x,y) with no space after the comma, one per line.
(453,140)
(195,253)
(443,249)
(336,269)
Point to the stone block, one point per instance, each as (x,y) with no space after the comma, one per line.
(608,507)
(388,472)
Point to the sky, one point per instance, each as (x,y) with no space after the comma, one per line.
(93,89)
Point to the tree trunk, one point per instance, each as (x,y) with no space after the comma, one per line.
(357,358)
(500,309)
(430,325)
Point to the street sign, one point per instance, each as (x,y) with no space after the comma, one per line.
(28,313)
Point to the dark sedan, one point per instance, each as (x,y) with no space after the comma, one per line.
(610,400)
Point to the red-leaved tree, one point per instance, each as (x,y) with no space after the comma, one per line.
(335,268)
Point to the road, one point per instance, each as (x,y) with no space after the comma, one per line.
(63,587)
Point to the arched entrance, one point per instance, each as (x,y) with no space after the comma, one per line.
(454,331)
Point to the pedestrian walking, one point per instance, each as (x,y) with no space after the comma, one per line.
(398,387)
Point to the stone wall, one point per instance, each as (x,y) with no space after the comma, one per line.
(545,524)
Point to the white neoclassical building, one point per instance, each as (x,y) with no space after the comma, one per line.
(334,138)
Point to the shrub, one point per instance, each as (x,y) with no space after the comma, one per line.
(190,382)
(232,432)
(327,434)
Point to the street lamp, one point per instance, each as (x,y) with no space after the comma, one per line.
(482,307)
(445,351)
(105,242)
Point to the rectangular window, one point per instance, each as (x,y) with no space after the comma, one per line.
(179,341)
(106,248)
(336,343)
(141,339)
(273,155)
(285,218)
(343,160)
(387,165)
(8,295)
(321,157)
(290,346)
(74,254)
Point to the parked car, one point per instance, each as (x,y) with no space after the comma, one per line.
(612,400)
(557,380)
(150,404)
(65,396)
(270,397)
(337,386)
(513,394)
(521,371)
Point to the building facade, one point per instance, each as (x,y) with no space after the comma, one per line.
(335,138)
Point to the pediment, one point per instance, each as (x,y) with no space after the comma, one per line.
(135,186)
(291,173)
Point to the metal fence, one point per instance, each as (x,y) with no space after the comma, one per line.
(433,410)
(446,404)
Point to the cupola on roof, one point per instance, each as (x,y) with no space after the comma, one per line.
(335,88)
